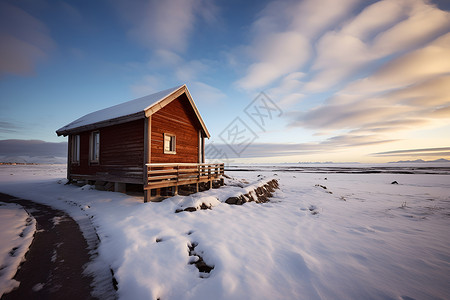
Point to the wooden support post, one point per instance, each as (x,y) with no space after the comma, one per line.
(176,190)
(209,184)
(147,195)
(196,187)
(147,155)
(69,156)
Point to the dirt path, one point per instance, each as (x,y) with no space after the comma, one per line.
(54,264)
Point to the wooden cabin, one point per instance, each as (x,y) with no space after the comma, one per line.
(154,143)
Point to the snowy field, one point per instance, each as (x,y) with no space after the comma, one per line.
(324,235)
(16,234)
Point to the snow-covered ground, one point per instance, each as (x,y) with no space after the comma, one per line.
(16,234)
(322,236)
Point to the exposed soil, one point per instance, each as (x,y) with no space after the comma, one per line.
(55,261)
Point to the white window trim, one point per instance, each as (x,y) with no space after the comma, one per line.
(92,158)
(75,149)
(173,146)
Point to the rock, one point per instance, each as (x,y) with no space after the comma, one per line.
(394,182)
(260,195)
(232,200)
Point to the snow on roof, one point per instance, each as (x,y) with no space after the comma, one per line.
(118,111)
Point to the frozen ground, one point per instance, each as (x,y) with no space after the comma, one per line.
(16,234)
(322,236)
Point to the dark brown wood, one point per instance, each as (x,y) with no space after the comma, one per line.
(121,153)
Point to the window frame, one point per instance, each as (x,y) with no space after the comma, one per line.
(75,159)
(94,148)
(172,145)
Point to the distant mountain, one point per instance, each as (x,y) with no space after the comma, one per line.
(324,162)
(440,160)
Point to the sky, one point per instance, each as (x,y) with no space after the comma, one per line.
(274,81)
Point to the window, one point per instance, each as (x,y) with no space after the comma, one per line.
(95,147)
(169,144)
(76,149)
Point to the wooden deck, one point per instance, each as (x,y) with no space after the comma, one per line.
(179,174)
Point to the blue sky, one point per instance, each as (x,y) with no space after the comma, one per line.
(353,80)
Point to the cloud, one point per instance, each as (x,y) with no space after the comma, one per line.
(347,116)
(164,24)
(7,127)
(312,17)
(190,70)
(384,28)
(443,151)
(416,66)
(32,148)
(24,41)
(147,85)
(284,33)
(423,23)
(406,93)
(204,93)
(164,28)
(432,92)
(278,53)
(334,144)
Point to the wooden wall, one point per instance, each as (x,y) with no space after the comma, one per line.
(121,154)
(176,118)
(122,145)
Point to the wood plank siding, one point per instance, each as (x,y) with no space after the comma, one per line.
(121,154)
(179,119)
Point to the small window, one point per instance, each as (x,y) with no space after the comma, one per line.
(169,144)
(95,147)
(76,149)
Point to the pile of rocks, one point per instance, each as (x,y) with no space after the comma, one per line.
(260,194)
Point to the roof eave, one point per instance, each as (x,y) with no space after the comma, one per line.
(105,123)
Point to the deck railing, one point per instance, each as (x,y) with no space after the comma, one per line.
(176,174)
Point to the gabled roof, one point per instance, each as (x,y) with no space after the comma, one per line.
(129,111)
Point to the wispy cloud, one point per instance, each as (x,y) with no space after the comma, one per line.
(206,94)
(165,29)
(8,127)
(334,144)
(24,40)
(164,25)
(384,68)
(382,29)
(284,37)
(443,151)
(402,94)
